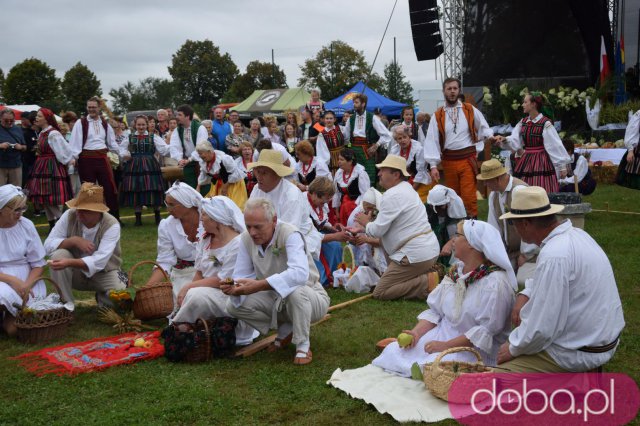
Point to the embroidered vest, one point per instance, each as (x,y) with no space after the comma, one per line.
(195,125)
(467,110)
(369,130)
(85,129)
(531,133)
(107,221)
(333,137)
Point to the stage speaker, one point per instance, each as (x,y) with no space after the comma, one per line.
(425,29)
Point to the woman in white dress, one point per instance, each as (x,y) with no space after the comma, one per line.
(216,252)
(471,306)
(178,236)
(21,257)
(352,181)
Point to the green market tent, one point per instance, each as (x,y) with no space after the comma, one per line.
(273,101)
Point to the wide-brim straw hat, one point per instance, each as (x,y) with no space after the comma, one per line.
(395,162)
(272,159)
(491,169)
(90,197)
(531,201)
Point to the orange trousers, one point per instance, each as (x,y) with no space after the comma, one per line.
(459,175)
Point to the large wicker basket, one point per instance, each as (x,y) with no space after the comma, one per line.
(202,350)
(440,375)
(154,300)
(42,326)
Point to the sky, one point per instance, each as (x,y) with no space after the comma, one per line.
(130,40)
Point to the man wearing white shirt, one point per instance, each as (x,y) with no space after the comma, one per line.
(454,137)
(365,133)
(403,228)
(276,282)
(183,143)
(84,247)
(90,141)
(572,316)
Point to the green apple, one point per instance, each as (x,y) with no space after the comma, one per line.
(404,339)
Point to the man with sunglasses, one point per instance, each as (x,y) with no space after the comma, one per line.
(11,145)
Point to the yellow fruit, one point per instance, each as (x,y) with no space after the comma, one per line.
(147,344)
(139,342)
(404,339)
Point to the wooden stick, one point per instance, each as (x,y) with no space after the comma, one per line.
(349,302)
(613,211)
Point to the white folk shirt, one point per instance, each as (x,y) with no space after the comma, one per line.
(293,208)
(574,302)
(173,244)
(158,143)
(219,262)
(415,153)
(459,139)
(632,133)
(582,167)
(95,138)
(59,146)
(320,168)
(360,129)
(401,216)
(95,261)
(363,183)
(175,145)
(235,174)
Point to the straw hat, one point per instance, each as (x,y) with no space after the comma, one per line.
(395,162)
(90,197)
(491,169)
(272,159)
(531,201)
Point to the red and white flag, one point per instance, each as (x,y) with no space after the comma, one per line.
(604,62)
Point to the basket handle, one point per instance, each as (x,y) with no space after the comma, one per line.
(436,363)
(206,330)
(145,262)
(33,282)
(347,248)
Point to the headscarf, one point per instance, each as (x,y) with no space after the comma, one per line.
(50,117)
(441,195)
(185,195)
(8,192)
(372,196)
(224,211)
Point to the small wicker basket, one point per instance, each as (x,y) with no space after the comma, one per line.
(154,300)
(42,326)
(440,375)
(202,351)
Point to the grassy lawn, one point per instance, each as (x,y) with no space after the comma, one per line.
(268,388)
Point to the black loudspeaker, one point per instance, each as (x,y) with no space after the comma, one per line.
(425,29)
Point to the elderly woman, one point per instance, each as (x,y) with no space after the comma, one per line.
(21,258)
(220,146)
(221,174)
(216,252)
(308,167)
(471,306)
(447,209)
(234,139)
(178,236)
(255,132)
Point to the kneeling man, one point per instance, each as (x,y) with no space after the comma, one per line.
(276,281)
(84,247)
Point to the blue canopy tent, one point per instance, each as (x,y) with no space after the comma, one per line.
(374,100)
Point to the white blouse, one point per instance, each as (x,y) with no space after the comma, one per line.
(632,133)
(363,183)
(173,244)
(59,146)
(158,142)
(235,174)
(319,166)
(218,262)
(415,154)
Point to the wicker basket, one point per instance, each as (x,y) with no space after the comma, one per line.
(202,351)
(154,300)
(42,326)
(440,375)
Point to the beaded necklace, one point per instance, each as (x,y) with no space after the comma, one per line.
(306,170)
(477,274)
(345,177)
(453,116)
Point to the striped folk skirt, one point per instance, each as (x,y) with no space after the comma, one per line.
(536,169)
(49,184)
(142,183)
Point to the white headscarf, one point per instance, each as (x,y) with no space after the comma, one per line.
(185,195)
(486,239)
(224,211)
(9,192)
(372,196)
(441,195)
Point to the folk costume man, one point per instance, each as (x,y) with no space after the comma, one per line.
(183,143)
(276,281)
(404,231)
(572,315)
(90,142)
(365,133)
(84,247)
(454,138)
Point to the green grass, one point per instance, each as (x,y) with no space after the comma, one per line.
(268,388)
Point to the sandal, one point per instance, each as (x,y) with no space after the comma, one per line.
(279,344)
(303,360)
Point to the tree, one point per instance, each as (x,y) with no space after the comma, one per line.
(78,85)
(150,93)
(201,74)
(32,81)
(335,69)
(259,75)
(395,85)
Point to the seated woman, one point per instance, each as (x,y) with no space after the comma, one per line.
(367,250)
(319,193)
(178,236)
(216,252)
(579,170)
(351,181)
(220,173)
(22,256)
(471,306)
(447,209)
(308,167)
(241,163)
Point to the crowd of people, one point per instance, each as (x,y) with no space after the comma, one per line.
(259,218)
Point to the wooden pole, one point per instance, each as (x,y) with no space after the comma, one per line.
(349,302)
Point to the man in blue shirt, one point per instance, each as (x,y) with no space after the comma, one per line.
(11,146)
(220,128)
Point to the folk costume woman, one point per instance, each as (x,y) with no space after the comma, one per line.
(445,210)
(242,162)
(411,151)
(544,156)
(351,181)
(289,137)
(142,181)
(49,185)
(330,142)
(308,167)
(219,171)
(629,169)
(216,253)
(471,306)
